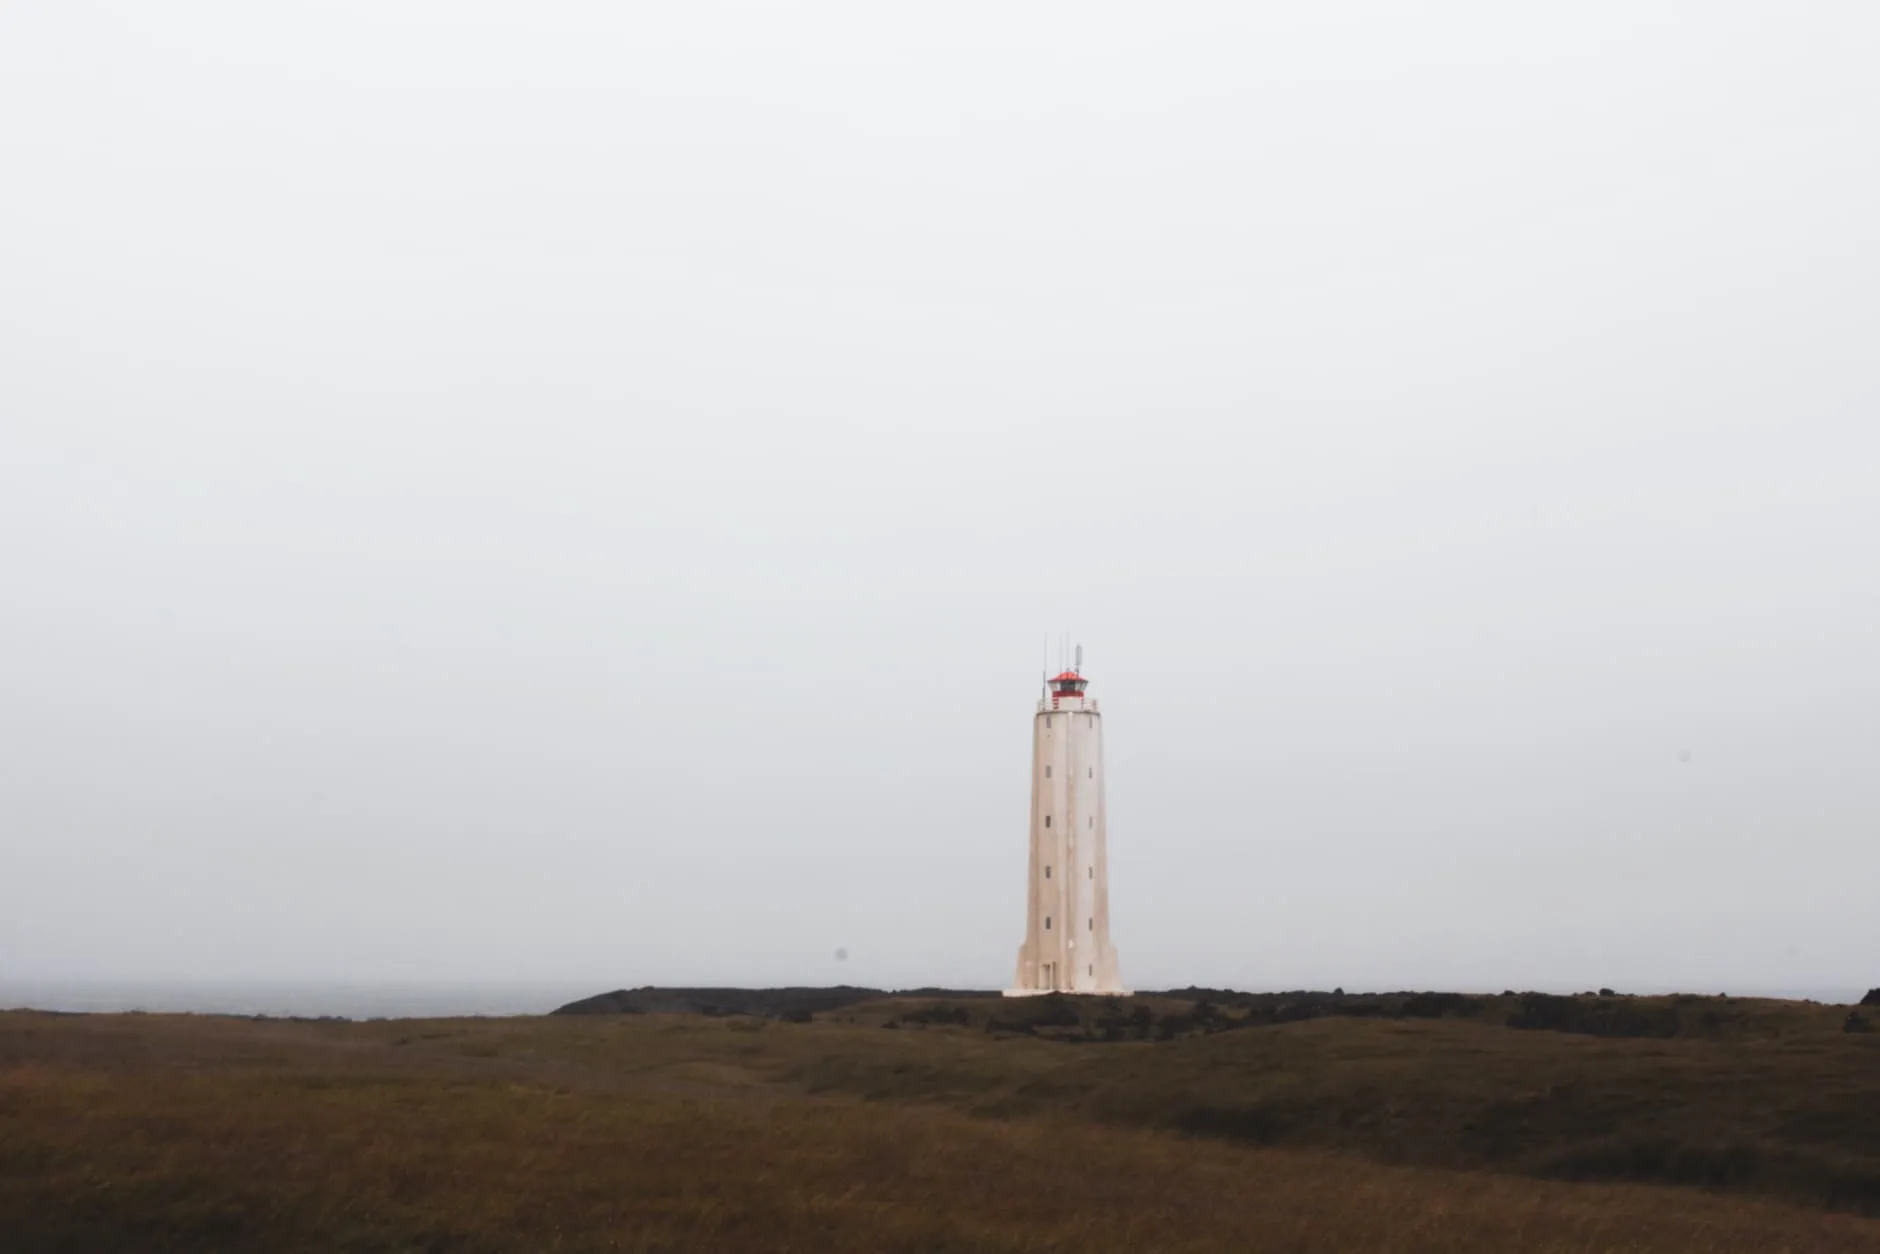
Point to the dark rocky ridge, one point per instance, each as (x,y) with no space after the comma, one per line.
(772,1003)
(1176,1013)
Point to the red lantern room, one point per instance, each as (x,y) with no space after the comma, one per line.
(1068,684)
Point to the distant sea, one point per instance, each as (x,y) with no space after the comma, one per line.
(402,1000)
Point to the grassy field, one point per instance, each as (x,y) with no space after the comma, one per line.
(1752,1126)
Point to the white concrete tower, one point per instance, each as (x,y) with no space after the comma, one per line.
(1067,891)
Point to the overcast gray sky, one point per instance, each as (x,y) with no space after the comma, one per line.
(577,491)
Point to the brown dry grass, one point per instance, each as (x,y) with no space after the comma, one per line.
(181,1133)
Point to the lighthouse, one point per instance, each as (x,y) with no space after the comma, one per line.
(1067,945)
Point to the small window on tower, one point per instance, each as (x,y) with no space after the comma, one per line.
(1093,873)
(1092,770)
(1047,722)
(1093,820)
(1047,820)
(1047,772)
(1093,925)
(1093,968)
(1047,922)
(1047,872)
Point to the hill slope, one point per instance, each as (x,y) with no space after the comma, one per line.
(937,1124)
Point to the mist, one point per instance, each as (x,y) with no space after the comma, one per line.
(580,492)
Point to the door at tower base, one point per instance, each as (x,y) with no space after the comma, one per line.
(1067,945)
